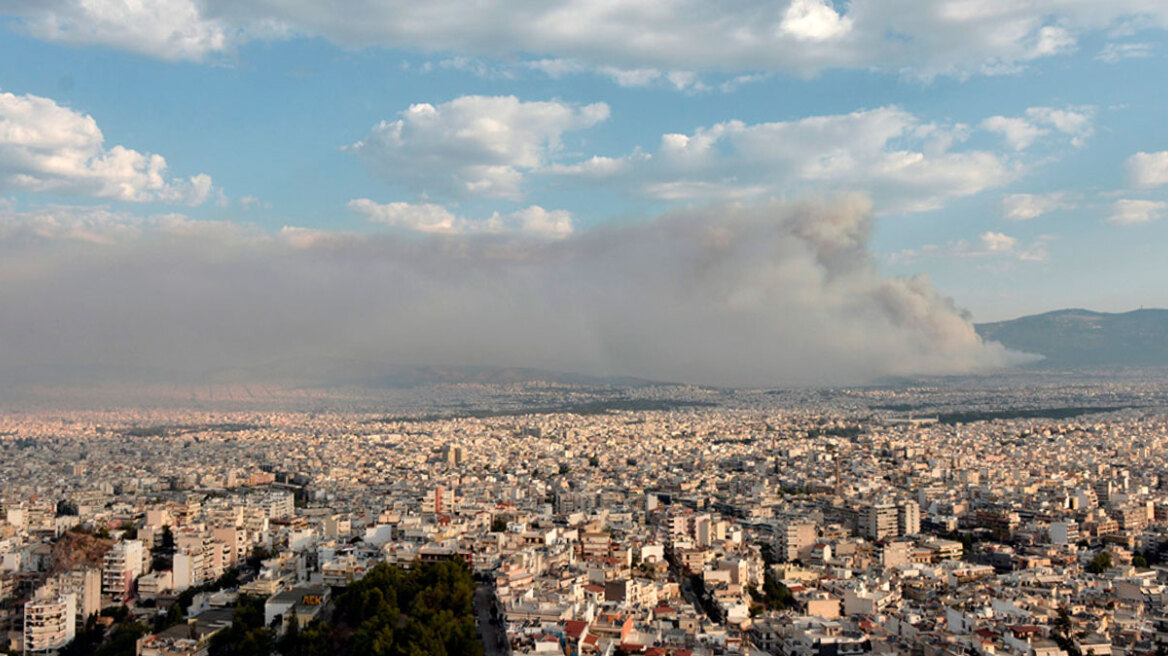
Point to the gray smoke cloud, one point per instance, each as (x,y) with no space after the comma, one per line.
(770,294)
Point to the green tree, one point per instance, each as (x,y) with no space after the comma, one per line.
(166,544)
(425,611)
(1100,563)
(123,641)
(247,635)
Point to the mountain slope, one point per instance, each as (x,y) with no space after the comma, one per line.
(1082,338)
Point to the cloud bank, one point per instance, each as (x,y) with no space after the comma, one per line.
(923,38)
(502,147)
(766,294)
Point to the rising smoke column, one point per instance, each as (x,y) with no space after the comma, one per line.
(758,295)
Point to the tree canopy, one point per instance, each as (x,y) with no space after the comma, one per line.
(425,611)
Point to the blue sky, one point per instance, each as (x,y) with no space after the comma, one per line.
(1016,155)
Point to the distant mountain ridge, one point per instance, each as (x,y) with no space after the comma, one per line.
(1078,338)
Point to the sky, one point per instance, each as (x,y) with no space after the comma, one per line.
(745,193)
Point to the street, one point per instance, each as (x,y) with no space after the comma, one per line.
(491,632)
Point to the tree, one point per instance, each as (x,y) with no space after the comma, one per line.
(247,634)
(1061,629)
(498,524)
(1100,563)
(166,545)
(776,595)
(767,551)
(393,612)
(87,639)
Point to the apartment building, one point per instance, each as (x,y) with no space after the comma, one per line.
(50,623)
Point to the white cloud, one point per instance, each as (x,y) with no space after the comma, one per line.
(634,77)
(167,29)
(1134,212)
(45,147)
(1148,169)
(907,164)
(1053,40)
(763,295)
(917,37)
(473,145)
(429,218)
(1075,122)
(1021,132)
(102,226)
(96,225)
(995,247)
(813,20)
(560,67)
(1113,53)
(251,203)
(535,220)
(1037,251)
(1018,132)
(997,242)
(1023,207)
(597,167)
(422,217)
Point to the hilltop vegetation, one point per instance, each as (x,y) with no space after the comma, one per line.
(425,611)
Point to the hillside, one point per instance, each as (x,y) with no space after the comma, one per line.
(1083,339)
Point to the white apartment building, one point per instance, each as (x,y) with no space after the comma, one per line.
(120,567)
(50,623)
(188,569)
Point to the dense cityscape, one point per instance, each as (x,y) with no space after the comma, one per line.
(583,328)
(1020,515)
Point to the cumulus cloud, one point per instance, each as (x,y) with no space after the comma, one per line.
(473,145)
(49,148)
(996,242)
(1135,212)
(1021,132)
(532,221)
(906,163)
(1148,169)
(813,20)
(804,37)
(744,295)
(1018,132)
(1023,207)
